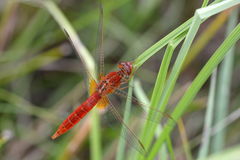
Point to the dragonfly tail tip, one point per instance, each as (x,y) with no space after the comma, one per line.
(55,136)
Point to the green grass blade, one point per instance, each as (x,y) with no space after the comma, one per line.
(170,148)
(180,59)
(223,87)
(204,149)
(163,100)
(67,27)
(203,13)
(160,44)
(95,136)
(184,140)
(148,131)
(205,3)
(226,121)
(216,8)
(195,86)
(206,36)
(140,94)
(88,62)
(149,127)
(122,141)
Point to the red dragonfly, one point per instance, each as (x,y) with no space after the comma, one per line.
(107,84)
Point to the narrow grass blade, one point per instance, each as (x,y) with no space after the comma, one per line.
(202,41)
(170,148)
(184,139)
(149,127)
(195,87)
(88,62)
(197,20)
(163,100)
(223,87)
(95,136)
(225,122)
(216,8)
(160,44)
(122,143)
(67,28)
(205,3)
(204,149)
(140,94)
(202,14)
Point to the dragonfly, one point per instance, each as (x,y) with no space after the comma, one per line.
(99,95)
(107,85)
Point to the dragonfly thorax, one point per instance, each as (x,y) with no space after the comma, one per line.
(109,83)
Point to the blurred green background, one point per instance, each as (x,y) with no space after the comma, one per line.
(42,79)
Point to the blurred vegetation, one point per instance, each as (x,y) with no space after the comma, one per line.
(43,79)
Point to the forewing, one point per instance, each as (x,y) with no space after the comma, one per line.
(100,53)
(128,134)
(146,111)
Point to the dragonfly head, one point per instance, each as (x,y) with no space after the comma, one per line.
(125,67)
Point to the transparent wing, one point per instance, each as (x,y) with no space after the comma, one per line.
(148,113)
(99,50)
(91,78)
(128,134)
(140,113)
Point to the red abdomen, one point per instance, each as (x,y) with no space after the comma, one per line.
(77,114)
